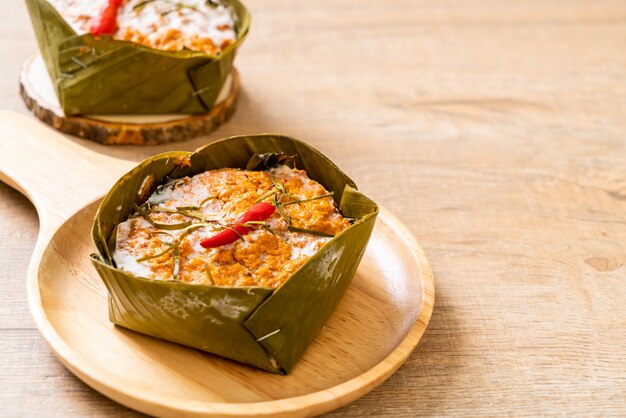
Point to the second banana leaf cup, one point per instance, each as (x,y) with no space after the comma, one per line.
(99,75)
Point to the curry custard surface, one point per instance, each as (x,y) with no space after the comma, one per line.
(168,25)
(162,240)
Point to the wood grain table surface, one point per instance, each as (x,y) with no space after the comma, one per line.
(495,130)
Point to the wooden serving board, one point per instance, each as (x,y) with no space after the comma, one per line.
(375,328)
(40,98)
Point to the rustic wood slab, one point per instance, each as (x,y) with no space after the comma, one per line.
(40,98)
(493,129)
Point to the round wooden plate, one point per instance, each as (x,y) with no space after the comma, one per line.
(376,326)
(40,98)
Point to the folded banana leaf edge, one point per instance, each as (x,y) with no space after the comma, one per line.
(104,76)
(263,327)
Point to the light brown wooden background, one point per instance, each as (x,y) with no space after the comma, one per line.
(496,130)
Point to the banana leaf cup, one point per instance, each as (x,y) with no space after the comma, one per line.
(264,327)
(105,76)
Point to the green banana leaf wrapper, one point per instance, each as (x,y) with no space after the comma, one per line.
(264,327)
(104,76)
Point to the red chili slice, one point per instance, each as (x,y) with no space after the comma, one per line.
(106,22)
(259,212)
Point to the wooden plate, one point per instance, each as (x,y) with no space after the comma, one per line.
(374,329)
(40,98)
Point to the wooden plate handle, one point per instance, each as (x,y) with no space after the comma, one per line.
(58,175)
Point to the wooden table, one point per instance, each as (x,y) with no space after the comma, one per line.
(495,130)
